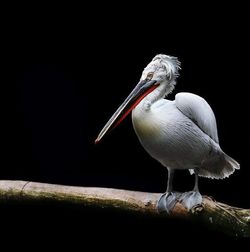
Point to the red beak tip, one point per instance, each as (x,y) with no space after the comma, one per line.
(96,141)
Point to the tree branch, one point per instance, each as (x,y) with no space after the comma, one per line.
(230,220)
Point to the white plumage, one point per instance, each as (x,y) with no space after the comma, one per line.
(180,134)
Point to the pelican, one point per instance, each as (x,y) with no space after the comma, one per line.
(180,134)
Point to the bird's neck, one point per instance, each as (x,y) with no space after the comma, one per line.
(159,93)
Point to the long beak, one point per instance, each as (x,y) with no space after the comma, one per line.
(142,89)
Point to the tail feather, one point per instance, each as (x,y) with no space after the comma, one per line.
(220,166)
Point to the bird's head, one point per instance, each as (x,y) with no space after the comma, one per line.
(162,70)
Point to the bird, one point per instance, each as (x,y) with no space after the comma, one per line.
(181,134)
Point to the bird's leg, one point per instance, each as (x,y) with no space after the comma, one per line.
(168,200)
(170,180)
(192,198)
(196,186)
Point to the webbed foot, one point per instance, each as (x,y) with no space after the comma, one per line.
(191,199)
(167,202)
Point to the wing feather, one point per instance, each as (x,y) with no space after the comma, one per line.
(199,111)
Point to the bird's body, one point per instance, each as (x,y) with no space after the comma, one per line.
(176,140)
(169,136)
(180,134)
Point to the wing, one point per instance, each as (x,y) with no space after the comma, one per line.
(199,111)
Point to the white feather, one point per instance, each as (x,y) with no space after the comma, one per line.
(180,134)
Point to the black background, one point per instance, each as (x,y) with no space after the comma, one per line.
(68,72)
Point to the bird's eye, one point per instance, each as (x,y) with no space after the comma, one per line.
(150,76)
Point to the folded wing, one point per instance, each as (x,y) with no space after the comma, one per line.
(199,111)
